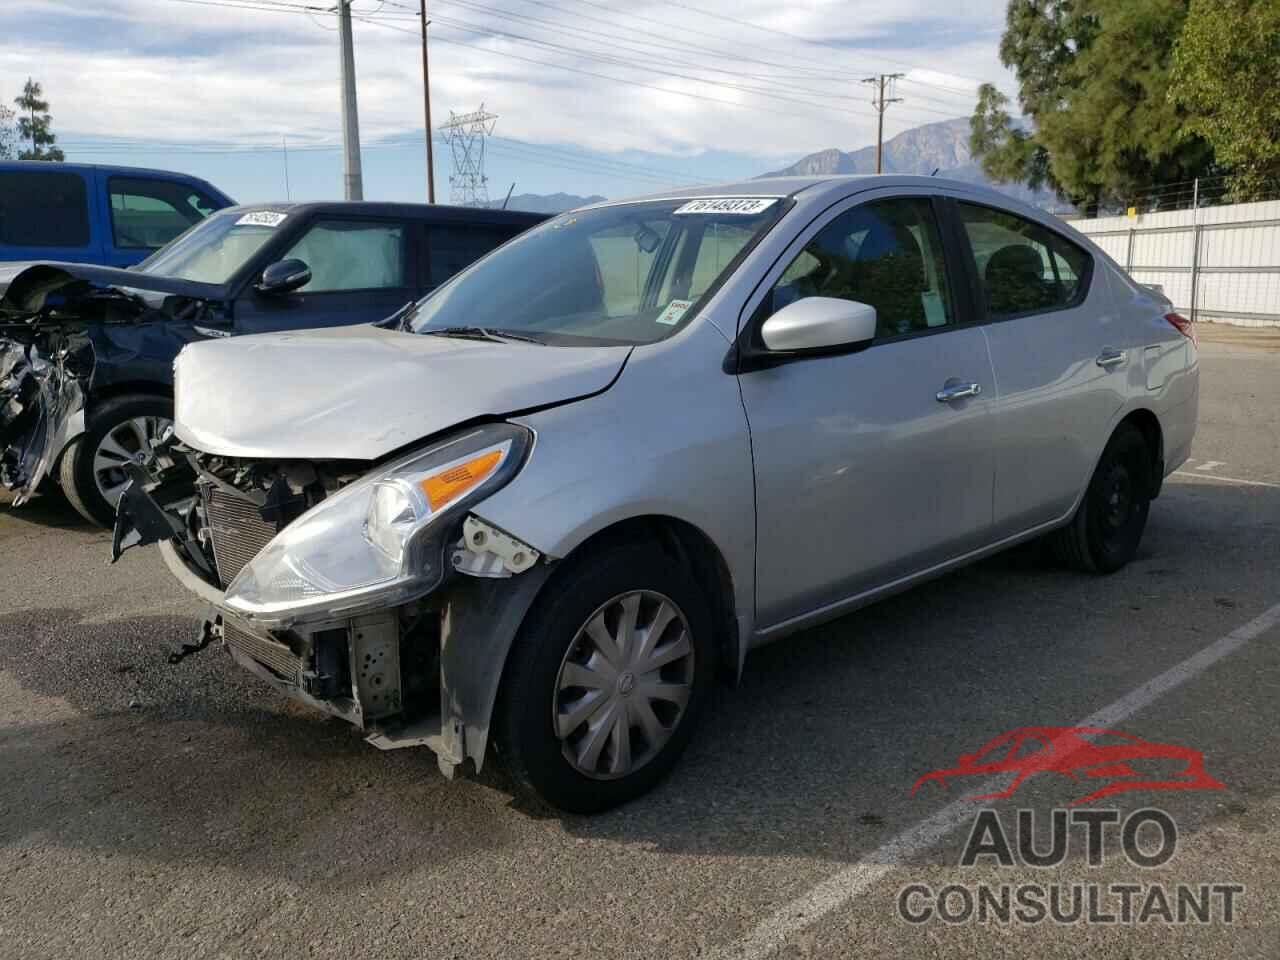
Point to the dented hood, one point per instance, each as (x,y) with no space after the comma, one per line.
(26,285)
(359,393)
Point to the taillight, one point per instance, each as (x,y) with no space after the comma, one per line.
(1183,326)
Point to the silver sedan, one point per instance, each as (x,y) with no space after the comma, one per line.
(536,515)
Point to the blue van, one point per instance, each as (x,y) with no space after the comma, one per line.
(81,213)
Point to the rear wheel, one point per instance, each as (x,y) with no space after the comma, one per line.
(1107,528)
(606,680)
(118,430)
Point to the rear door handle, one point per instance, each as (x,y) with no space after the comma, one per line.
(958,391)
(1111,358)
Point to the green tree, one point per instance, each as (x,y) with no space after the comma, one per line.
(33,124)
(8,134)
(1225,69)
(1093,78)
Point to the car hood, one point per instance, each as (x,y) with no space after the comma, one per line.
(25,285)
(359,393)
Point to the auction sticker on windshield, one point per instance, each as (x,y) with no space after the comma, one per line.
(262,218)
(743,206)
(675,310)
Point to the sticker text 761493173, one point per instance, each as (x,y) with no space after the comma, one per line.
(742,206)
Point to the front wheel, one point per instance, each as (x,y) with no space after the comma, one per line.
(118,431)
(1107,528)
(606,680)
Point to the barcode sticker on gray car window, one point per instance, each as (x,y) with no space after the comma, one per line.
(675,310)
(262,218)
(742,206)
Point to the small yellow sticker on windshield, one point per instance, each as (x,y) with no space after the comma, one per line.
(675,310)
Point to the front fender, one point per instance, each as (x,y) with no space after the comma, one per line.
(481,619)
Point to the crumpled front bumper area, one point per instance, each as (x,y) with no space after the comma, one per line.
(424,673)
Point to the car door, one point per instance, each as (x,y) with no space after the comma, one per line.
(143,213)
(362,270)
(874,464)
(1061,355)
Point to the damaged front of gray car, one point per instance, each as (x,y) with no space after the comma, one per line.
(515,523)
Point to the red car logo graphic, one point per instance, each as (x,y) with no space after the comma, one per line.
(1077,752)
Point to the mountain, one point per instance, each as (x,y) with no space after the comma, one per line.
(942,146)
(546,202)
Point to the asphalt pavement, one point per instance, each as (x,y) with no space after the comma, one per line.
(157,810)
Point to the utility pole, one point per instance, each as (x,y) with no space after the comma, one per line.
(881,103)
(352,180)
(426,105)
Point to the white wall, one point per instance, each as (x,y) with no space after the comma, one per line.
(1238,275)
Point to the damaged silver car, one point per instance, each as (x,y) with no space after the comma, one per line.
(536,518)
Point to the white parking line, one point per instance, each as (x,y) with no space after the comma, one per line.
(1214,478)
(1211,465)
(853,881)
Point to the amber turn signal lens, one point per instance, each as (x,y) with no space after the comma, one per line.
(452,483)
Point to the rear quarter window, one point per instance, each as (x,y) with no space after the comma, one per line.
(43,209)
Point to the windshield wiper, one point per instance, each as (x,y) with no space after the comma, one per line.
(484,333)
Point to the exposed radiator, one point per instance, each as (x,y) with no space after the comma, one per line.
(276,657)
(237,529)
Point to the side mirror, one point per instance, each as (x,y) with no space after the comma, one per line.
(817,322)
(284,276)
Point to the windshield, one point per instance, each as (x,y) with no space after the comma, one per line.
(214,249)
(625,274)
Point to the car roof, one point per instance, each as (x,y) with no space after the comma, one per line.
(830,187)
(817,192)
(406,211)
(104,167)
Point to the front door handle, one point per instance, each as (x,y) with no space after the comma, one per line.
(1111,358)
(958,391)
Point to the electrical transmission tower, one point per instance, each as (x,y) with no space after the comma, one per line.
(883,83)
(465,134)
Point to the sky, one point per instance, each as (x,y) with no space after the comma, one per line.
(610,97)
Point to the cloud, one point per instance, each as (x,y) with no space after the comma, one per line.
(164,70)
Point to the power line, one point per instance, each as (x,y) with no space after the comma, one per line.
(799,39)
(629,64)
(642,47)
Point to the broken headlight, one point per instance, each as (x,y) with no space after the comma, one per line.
(381,539)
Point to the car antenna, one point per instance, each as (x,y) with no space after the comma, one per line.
(935,171)
(508,198)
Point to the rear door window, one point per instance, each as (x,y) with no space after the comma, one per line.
(147,213)
(452,247)
(1022,266)
(43,209)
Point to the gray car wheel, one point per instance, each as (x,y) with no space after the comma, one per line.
(624,684)
(606,679)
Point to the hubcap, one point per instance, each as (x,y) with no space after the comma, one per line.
(623,685)
(129,441)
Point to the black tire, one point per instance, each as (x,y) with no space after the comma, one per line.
(1104,534)
(525,737)
(75,470)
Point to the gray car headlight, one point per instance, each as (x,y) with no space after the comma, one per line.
(381,539)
